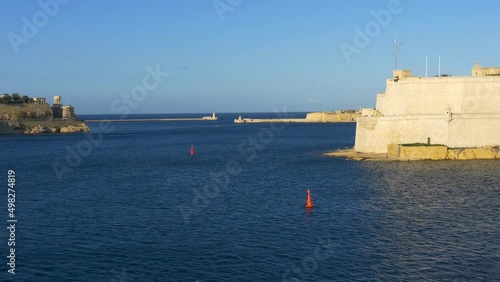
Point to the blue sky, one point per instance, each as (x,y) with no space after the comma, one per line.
(263,54)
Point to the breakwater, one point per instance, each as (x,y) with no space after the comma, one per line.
(267,120)
(145,120)
(314,117)
(207,118)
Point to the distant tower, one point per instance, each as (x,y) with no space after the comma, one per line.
(57,107)
(68,112)
(477,70)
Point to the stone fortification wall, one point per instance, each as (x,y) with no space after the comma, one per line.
(315,117)
(332,116)
(10,111)
(453,111)
(416,95)
(478,70)
(374,134)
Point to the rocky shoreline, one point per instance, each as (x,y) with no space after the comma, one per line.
(40,127)
(420,153)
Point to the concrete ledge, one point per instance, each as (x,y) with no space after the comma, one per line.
(357,156)
(423,152)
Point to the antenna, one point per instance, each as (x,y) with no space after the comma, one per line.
(396,47)
(439,68)
(425,66)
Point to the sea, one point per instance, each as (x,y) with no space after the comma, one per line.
(129,202)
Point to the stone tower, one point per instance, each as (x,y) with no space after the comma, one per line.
(57,107)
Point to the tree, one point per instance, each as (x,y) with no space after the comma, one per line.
(6,98)
(25,99)
(16,98)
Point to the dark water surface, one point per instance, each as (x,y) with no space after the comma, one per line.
(138,207)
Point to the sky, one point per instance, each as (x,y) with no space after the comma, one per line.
(234,55)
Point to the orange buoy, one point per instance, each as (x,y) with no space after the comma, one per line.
(309,203)
(192,150)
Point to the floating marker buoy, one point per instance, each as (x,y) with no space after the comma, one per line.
(192,150)
(309,203)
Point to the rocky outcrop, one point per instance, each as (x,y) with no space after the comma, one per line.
(485,153)
(75,128)
(452,154)
(444,153)
(39,127)
(474,153)
(421,152)
(55,129)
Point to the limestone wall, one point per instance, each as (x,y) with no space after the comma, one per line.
(331,117)
(417,95)
(444,153)
(423,152)
(374,134)
(453,111)
(478,70)
(68,112)
(415,152)
(315,117)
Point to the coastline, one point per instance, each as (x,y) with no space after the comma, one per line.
(42,126)
(350,154)
(420,153)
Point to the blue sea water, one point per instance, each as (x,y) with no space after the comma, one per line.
(131,204)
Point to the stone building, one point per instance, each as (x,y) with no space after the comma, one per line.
(39,101)
(68,112)
(57,107)
(453,111)
(60,111)
(478,70)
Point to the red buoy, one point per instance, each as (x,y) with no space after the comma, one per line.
(309,203)
(192,150)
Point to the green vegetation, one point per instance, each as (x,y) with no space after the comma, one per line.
(32,116)
(15,98)
(21,116)
(420,145)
